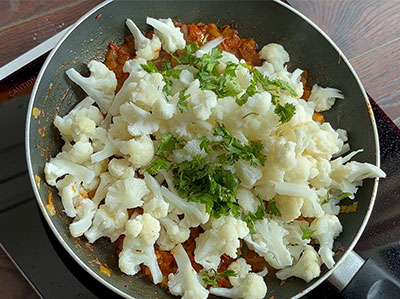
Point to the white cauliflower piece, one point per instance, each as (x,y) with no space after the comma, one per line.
(106,180)
(154,203)
(171,37)
(195,213)
(275,54)
(145,48)
(186,282)
(140,150)
(176,233)
(200,101)
(79,153)
(289,206)
(100,85)
(136,74)
(283,154)
(223,237)
(57,168)
(118,130)
(251,287)
(107,223)
(191,149)
(324,98)
(71,193)
(247,174)
(126,194)
(295,235)
(326,228)
(138,247)
(83,220)
(268,242)
(105,147)
(78,123)
(307,268)
(311,206)
(121,169)
(140,122)
(322,179)
(246,200)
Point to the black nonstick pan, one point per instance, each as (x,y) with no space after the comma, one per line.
(265,21)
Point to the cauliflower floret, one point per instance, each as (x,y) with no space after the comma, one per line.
(246,200)
(140,122)
(57,168)
(283,154)
(326,229)
(118,130)
(186,282)
(145,48)
(171,37)
(274,54)
(100,85)
(121,169)
(78,123)
(307,268)
(140,150)
(200,101)
(241,269)
(164,242)
(106,180)
(222,238)
(105,147)
(138,247)
(136,74)
(322,180)
(191,149)
(176,233)
(126,194)
(324,98)
(71,193)
(78,153)
(265,187)
(195,213)
(268,241)
(295,235)
(289,206)
(302,172)
(83,220)
(154,202)
(247,174)
(251,287)
(311,206)
(107,223)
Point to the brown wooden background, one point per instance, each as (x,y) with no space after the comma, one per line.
(367,31)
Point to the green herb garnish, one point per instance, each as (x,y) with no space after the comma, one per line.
(250,218)
(250,113)
(210,276)
(168,72)
(272,209)
(205,144)
(156,164)
(182,102)
(307,232)
(209,183)
(339,198)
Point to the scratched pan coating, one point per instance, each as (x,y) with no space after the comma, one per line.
(265,21)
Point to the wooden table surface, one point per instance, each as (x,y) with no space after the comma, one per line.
(367,31)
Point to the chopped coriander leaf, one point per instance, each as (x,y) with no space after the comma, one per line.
(205,144)
(209,183)
(243,64)
(149,67)
(250,113)
(188,56)
(182,102)
(237,150)
(284,85)
(250,218)
(167,144)
(155,165)
(339,198)
(210,276)
(343,196)
(307,232)
(250,91)
(285,112)
(272,209)
(266,83)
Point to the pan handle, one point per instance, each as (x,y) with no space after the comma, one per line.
(357,278)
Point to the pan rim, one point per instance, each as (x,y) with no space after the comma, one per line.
(104,281)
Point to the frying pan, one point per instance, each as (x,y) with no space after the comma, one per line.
(265,21)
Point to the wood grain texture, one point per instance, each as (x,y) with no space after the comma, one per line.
(356,26)
(12,284)
(26,35)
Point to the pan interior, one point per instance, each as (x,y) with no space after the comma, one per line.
(264,21)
